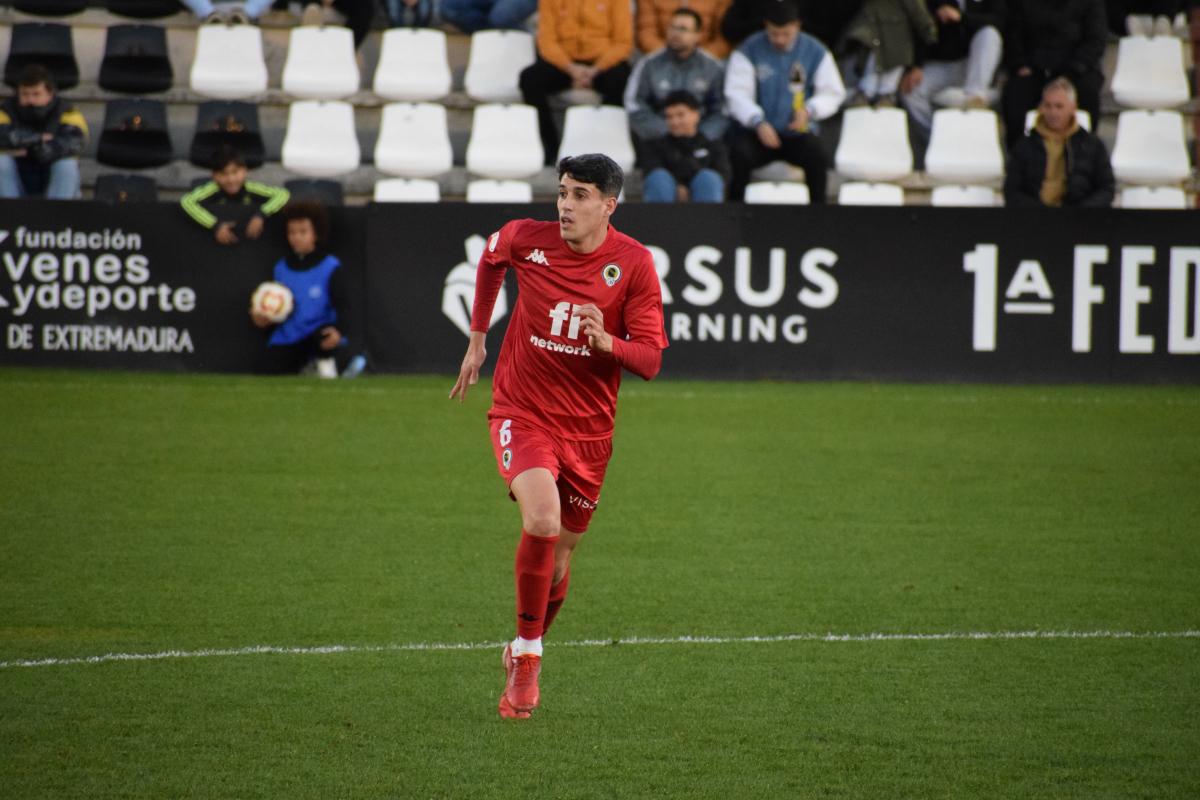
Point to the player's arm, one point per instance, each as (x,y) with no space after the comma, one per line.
(489,277)
(641,352)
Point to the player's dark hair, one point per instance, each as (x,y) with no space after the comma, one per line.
(689,12)
(681,97)
(35,75)
(225,155)
(312,211)
(596,169)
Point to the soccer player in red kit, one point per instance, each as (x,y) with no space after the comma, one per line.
(588,305)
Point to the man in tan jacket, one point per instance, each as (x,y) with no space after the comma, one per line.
(582,44)
(654,17)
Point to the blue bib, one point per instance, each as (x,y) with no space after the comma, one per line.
(313,307)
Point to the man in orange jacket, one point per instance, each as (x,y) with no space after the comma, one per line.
(654,16)
(582,44)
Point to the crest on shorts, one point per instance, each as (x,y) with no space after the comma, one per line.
(506,457)
(611,273)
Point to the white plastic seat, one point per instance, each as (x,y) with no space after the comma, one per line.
(414,140)
(982,196)
(870,194)
(1082,117)
(413,65)
(320,63)
(1150,148)
(505,142)
(964,147)
(320,139)
(874,145)
(1161,197)
(597,129)
(407,190)
(782,193)
(1150,73)
(495,63)
(490,191)
(229,62)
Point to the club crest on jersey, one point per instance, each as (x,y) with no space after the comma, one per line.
(611,273)
(506,458)
(537,257)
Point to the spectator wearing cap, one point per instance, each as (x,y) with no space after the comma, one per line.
(681,65)
(1059,163)
(581,44)
(779,85)
(41,137)
(655,17)
(685,164)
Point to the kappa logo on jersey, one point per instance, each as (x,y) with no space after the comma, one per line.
(611,273)
(537,257)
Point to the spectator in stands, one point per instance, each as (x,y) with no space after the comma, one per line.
(823,19)
(685,164)
(228,11)
(582,44)
(679,65)
(1059,163)
(409,13)
(43,136)
(879,44)
(229,205)
(779,84)
(655,18)
(358,15)
(1047,39)
(317,282)
(967,53)
(476,15)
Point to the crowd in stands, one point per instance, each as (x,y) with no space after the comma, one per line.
(716,89)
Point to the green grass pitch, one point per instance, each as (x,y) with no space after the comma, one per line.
(145,513)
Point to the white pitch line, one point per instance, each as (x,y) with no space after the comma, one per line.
(637,640)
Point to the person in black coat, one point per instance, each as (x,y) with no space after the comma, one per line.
(1047,39)
(1058,163)
(685,164)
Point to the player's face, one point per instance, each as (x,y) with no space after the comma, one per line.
(302,237)
(583,211)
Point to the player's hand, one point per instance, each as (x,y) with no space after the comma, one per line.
(254,227)
(330,337)
(468,373)
(225,234)
(592,324)
(768,136)
(259,320)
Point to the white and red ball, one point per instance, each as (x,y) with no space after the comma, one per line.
(272,300)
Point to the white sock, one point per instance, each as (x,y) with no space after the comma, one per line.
(521,647)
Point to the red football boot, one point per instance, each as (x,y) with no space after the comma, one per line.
(521,688)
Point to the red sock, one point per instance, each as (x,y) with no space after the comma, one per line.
(558,593)
(534,572)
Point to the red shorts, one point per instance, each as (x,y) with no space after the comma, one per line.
(578,467)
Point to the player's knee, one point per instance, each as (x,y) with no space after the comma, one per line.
(542,522)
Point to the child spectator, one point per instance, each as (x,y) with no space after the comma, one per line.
(43,135)
(685,164)
(231,206)
(316,280)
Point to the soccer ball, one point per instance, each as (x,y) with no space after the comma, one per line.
(272,300)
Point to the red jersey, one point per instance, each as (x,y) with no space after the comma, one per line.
(547,374)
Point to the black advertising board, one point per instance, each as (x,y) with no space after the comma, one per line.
(137,286)
(831,293)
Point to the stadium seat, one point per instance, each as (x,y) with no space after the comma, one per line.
(413,65)
(326,192)
(320,140)
(115,188)
(1150,73)
(504,141)
(1150,148)
(1159,197)
(229,62)
(495,63)
(135,60)
(135,134)
(227,123)
(144,9)
(874,145)
(320,63)
(50,8)
(407,190)
(981,196)
(491,191)
(45,43)
(597,129)
(414,140)
(782,193)
(870,194)
(1082,117)
(964,147)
